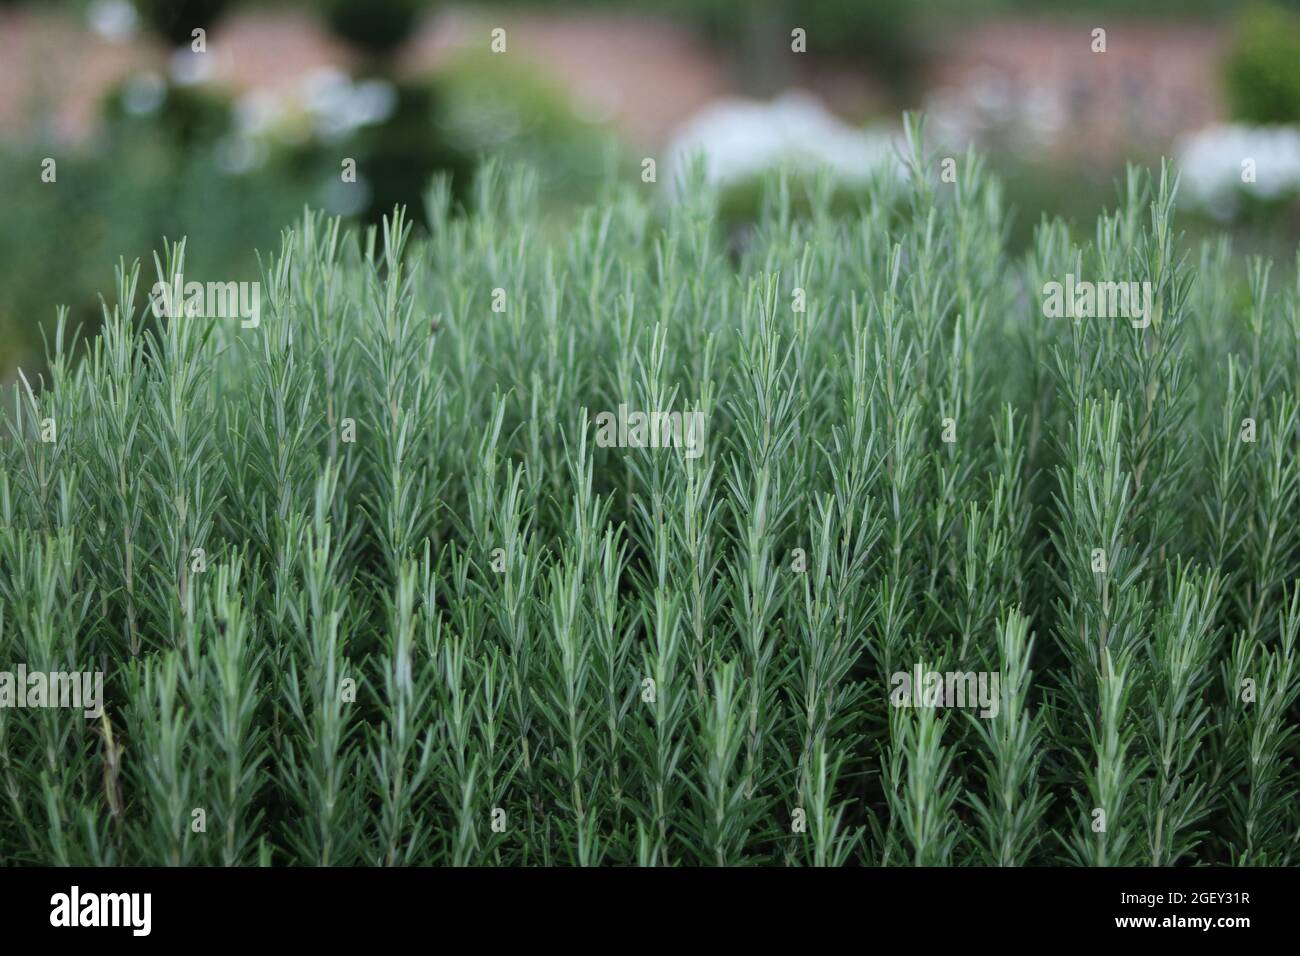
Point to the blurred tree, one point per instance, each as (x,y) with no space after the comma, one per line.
(176,20)
(399,156)
(186,117)
(376,27)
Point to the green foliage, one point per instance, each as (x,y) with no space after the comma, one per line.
(1262,70)
(376,27)
(162,167)
(401,154)
(494,106)
(477,635)
(186,117)
(122,199)
(175,20)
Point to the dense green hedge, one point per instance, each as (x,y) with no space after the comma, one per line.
(434,619)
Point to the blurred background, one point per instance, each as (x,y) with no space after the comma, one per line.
(226,134)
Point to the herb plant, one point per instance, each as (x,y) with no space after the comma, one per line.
(365,588)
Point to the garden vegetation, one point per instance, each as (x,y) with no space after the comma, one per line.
(365,589)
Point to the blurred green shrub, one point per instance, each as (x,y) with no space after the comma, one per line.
(475,106)
(510,112)
(1262,70)
(59,241)
(878,34)
(162,166)
(175,20)
(184,117)
(401,155)
(375,27)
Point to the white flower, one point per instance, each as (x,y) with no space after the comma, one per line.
(338,106)
(114,20)
(741,138)
(1213,161)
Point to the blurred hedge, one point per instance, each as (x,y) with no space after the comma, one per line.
(1263,69)
(166,172)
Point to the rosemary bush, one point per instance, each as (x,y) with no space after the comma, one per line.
(366,588)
